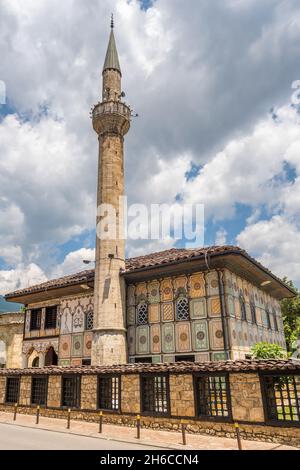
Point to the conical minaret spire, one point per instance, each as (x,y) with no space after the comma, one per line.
(112,57)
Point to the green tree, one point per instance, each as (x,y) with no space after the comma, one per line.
(291,317)
(267,351)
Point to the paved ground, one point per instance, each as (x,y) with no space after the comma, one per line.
(21,438)
(14,434)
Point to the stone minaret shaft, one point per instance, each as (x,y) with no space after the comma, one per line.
(111,121)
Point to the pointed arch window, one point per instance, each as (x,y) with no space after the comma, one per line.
(243,307)
(182,309)
(89,320)
(142,313)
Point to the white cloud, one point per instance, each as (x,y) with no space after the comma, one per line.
(221,237)
(20,277)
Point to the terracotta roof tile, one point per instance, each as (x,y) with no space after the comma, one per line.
(142,262)
(176,368)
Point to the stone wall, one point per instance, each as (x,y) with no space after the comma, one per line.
(182,395)
(246,398)
(54,391)
(11,334)
(130,394)
(245,394)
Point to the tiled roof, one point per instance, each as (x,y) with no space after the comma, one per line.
(143,262)
(270,365)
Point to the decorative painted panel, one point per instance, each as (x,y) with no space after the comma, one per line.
(214,309)
(87,344)
(212,283)
(142,340)
(131,340)
(237,308)
(233,333)
(230,306)
(76,362)
(183,337)
(166,290)
(169,359)
(245,333)
(78,319)
(153,292)
(202,357)
(228,282)
(197,285)
(167,312)
(154,313)
(156,359)
(131,295)
(66,320)
(198,308)
(77,343)
(168,338)
(27,321)
(131,316)
(64,362)
(141,292)
(221,356)
(180,285)
(216,334)
(155,339)
(200,336)
(64,346)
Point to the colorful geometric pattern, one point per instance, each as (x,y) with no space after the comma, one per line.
(168,341)
(198,308)
(77,343)
(167,312)
(142,340)
(155,339)
(154,313)
(200,336)
(65,346)
(183,337)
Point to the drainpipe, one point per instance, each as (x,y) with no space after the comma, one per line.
(227,345)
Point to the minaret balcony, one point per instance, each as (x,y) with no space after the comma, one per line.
(111,117)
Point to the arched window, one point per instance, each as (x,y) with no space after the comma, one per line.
(243,307)
(182,309)
(89,320)
(36,362)
(51,357)
(142,313)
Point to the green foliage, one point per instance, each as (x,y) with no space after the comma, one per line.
(267,351)
(291,317)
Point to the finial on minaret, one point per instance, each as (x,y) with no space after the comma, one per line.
(112,21)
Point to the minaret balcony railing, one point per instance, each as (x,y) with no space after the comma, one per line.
(112,107)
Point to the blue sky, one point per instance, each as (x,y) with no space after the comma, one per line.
(203,80)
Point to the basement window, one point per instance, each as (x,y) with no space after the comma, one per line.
(212,396)
(39,387)
(12,390)
(155,394)
(282,398)
(71,391)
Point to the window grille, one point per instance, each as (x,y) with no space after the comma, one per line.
(282,398)
(182,309)
(51,317)
(155,394)
(89,320)
(109,393)
(12,389)
(35,319)
(213,397)
(243,308)
(39,387)
(142,314)
(71,391)
(253,312)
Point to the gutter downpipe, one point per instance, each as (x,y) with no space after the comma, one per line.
(224,316)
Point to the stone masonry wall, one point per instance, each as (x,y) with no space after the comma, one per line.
(54,391)
(89,392)
(25,391)
(182,395)
(2,389)
(130,394)
(246,398)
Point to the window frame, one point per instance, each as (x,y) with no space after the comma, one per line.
(46,378)
(201,417)
(243,307)
(266,406)
(76,377)
(89,312)
(109,376)
(51,327)
(166,414)
(18,377)
(39,322)
(140,304)
(180,298)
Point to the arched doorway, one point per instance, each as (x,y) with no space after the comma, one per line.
(51,358)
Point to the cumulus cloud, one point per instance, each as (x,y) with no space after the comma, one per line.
(201,78)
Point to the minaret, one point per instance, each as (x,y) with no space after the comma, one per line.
(111,121)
